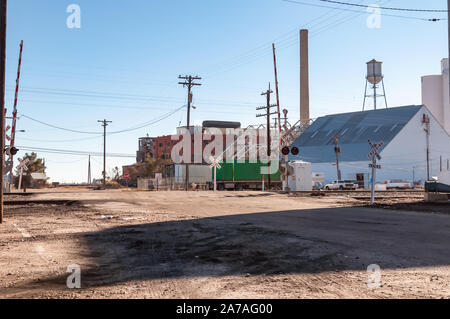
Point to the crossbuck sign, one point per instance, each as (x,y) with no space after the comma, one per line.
(374,150)
(215,165)
(23,167)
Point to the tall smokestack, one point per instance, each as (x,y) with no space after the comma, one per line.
(304,77)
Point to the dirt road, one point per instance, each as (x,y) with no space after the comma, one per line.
(218,245)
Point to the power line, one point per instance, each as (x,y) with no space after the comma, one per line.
(73,152)
(146,124)
(60,141)
(291,40)
(366,6)
(118,96)
(254,54)
(59,127)
(143,125)
(384,8)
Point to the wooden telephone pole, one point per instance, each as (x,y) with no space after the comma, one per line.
(3,5)
(105,123)
(267,115)
(189,82)
(89,171)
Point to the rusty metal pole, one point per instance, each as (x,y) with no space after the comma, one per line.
(3,6)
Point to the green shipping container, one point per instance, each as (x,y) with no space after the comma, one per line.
(235,171)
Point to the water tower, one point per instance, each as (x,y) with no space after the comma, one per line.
(374,77)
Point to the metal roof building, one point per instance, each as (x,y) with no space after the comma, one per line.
(401,130)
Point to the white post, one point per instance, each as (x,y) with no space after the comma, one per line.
(263,183)
(215,178)
(372,197)
(20,178)
(215,165)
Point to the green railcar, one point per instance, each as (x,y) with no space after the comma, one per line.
(245,175)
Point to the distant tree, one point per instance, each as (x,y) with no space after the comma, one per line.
(156,165)
(116,174)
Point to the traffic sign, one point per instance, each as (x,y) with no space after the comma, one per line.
(126,176)
(215,165)
(375,166)
(23,164)
(374,150)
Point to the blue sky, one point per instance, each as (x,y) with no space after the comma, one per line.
(124,61)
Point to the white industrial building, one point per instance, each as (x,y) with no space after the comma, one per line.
(435,95)
(404,154)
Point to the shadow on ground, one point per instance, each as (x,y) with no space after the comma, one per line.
(306,241)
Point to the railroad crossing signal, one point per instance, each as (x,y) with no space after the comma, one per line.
(374,155)
(11,151)
(294,151)
(215,165)
(374,150)
(23,167)
(23,164)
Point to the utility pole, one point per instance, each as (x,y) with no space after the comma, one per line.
(337,150)
(448,14)
(89,171)
(267,115)
(286,158)
(189,82)
(276,89)
(426,122)
(2,98)
(104,124)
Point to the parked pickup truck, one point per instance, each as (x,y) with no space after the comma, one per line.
(397,184)
(341,185)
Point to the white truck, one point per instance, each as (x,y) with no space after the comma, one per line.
(397,184)
(341,185)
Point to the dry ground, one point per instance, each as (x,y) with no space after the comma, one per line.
(218,245)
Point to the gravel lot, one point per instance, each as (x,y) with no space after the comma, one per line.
(132,244)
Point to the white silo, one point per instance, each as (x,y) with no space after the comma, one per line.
(374,76)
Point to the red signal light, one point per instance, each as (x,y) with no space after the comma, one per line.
(11,151)
(295,151)
(285,151)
